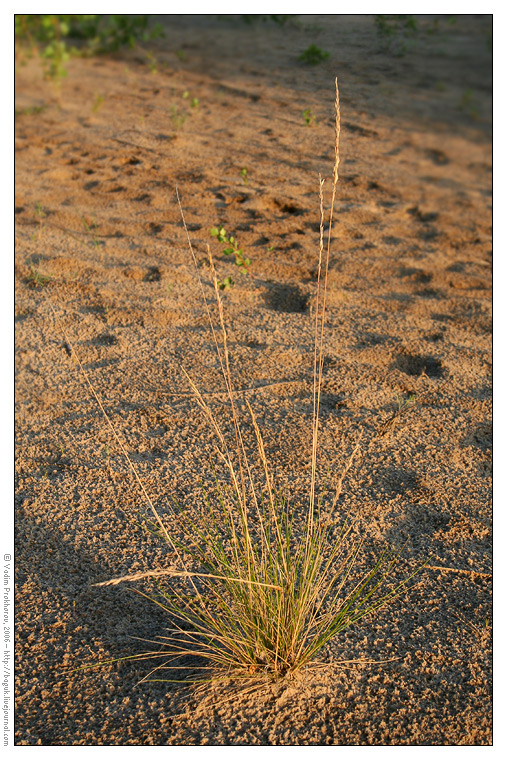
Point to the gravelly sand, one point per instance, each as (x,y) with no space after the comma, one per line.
(409,312)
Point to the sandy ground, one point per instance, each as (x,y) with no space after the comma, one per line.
(99,240)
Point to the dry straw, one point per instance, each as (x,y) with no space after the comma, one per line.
(266,591)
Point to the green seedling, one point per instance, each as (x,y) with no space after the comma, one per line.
(466,98)
(392,25)
(180,55)
(393,31)
(90,231)
(232,248)
(405,403)
(38,279)
(467,104)
(178,118)
(152,63)
(29,110)
(97,103)
(226,283)
(244,175)
(40,214)
(194,102)
(403,406)
(314,55)
(433,29)
(56,54)
(309,117)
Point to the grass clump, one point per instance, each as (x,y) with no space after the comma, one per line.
(314,55)
(270,596)
(270,584)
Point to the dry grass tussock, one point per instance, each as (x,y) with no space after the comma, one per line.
(269,591)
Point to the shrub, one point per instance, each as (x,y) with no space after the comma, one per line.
(314,55)
(58,37)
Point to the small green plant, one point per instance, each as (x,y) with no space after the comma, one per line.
(180,55)
(393,32)
(40,215)
(97,102)
(244,175)
(405,403)
(467,104)
(314,55)
(232,248)
(434,27)
(36,278)
(178,117)
(309,117)
(29,110)
(91,231)
(226,283)
(152,63)
(194,102)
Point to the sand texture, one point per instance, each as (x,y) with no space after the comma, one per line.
(101,257)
